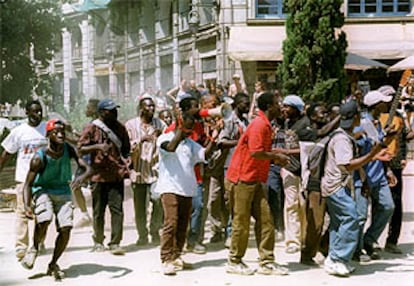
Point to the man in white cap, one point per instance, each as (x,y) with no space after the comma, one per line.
(378,180)
(337,187)
(237,86)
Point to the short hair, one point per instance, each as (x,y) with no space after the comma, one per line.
(312,107)
(264,100)
(31,102)
(93,101)
(239,97)
(141,101)
(186,103)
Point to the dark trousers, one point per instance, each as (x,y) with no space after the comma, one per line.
(396,219)
(177,211)
(111,195)
(276,197)
(315,214)
(141,193)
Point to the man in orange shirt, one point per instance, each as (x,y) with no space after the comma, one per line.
(246,179)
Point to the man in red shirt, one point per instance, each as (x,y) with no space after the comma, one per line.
(246,179)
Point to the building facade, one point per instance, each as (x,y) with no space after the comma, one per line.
(205,40)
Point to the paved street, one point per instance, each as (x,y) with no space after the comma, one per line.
(142,266)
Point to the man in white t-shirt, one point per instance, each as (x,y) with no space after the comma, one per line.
(177,185)
(24,140)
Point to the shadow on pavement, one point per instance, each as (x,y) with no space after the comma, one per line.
(209,263)
(88,269)
(373,267)
(91,268)
(405,247)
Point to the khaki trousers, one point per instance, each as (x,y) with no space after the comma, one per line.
(294,211)
(246,200)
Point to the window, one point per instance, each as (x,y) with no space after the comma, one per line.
(378,7)
(270,9)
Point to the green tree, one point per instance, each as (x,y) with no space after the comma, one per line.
(314,52)
(25,24)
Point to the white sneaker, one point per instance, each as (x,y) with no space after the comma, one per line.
(350,268)
(272,269)
(239,268)
(180,264)
(168,268)
(336,268)
(85,220)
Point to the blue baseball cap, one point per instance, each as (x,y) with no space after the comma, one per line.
(107,104)
(294,101)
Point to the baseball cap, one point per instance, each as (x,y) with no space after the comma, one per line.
(348,111)
(236,75)
(294,101)
(387,90)
(107,104)
(51,124)
(373,97)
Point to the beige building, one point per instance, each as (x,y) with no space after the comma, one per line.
(205,40)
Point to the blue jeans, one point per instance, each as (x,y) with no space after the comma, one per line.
(276,197)
(381,211)
(343,228)
(196,217)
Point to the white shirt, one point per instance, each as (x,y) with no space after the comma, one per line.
(176,169)
(25,140)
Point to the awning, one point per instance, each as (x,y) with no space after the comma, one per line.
(374,41)
(381,41)
(256,43)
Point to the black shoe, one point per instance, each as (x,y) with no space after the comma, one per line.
(392,248)
(217,237)
(142,242)
(372,252)
(361,257)
(54,270)
(309,262)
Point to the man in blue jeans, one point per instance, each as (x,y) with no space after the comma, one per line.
(379,177)
(337,188)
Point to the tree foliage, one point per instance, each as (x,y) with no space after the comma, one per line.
(26,23)
(314,52)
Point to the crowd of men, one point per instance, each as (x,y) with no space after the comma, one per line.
(196,160)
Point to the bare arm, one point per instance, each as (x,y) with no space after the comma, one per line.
(5,156)
(327,128)
(172,145)
(277,158)
(35,167)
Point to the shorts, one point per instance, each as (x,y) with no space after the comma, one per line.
(45,205)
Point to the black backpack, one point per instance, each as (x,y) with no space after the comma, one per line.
(316,163)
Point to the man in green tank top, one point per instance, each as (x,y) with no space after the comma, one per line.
(47,192)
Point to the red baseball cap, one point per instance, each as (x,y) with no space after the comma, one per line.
(51,124)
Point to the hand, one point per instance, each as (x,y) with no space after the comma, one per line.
(76,183)
(392,179)
(147,138)
(281,159)
(403,163)
(359,134)
(383,155)
(105,148)
(28,212)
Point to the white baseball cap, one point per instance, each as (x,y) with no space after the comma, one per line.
(373,97)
